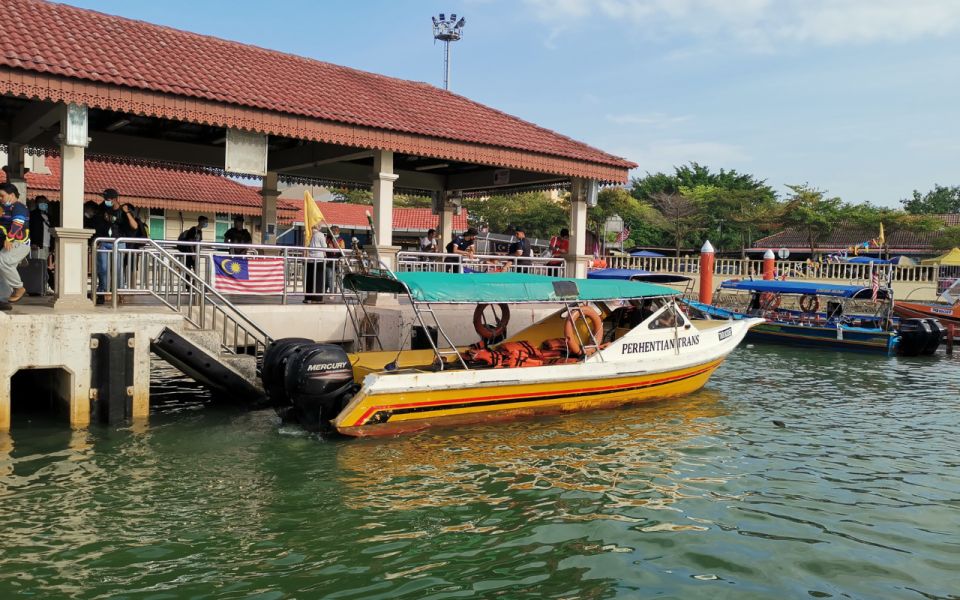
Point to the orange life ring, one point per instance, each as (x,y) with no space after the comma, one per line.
(570,332)
(809,303)
(769,301)
(487,331)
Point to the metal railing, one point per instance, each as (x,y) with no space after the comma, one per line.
(480,263)
(793,269)
(143,266)
(313,273)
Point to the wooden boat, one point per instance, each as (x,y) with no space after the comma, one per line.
(608,343)
(852,319)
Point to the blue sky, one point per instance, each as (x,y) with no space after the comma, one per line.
(857,97)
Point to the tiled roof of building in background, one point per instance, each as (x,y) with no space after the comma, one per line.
(156,187)
(79,44)
(844,237)
(354,216)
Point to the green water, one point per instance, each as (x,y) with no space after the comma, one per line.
(857,496)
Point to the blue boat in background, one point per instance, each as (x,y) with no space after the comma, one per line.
(825,315)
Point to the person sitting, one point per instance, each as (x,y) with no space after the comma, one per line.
(429,243)
(237,235)
(15,223)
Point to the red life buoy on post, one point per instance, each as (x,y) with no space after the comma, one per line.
(809,303)
(570,332)
(491,331)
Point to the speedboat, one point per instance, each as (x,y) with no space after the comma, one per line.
(607,343)
(826,315)
(947,310)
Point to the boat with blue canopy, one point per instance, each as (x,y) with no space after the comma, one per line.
(607,342)
(819,314)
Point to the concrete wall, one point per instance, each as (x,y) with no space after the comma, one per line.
(37,337)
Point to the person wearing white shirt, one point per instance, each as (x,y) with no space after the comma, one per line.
(315,286)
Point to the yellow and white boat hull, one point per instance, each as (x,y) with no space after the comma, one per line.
(643,365)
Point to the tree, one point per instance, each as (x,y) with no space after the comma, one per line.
(534,211)
(681,214)
(810,212)
(938,201)
(647,226)
(734,206)
(362,196)
(949,237)
(694,175)
(731,216)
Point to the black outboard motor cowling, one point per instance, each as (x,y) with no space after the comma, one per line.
(319,382)
(915,334)
(939,333)
(274,366)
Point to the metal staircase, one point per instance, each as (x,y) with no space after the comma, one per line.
(220,347)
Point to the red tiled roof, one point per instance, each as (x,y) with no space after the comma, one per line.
(155,187)
(844,237)
(79,44)
(354,216)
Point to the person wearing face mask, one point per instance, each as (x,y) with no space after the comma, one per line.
(98,215)
(15,225)
(194,234)
(40,225)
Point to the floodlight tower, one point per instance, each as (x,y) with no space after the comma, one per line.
(447,30)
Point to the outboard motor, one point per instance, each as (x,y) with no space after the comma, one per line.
(319,382)
(274,365)
(938,334)
(915,334)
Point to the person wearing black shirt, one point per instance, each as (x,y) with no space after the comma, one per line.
(128,225)
(521,247)
(98,215)
(194,234)
(237,235)
(461,245)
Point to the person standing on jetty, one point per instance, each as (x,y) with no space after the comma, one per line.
(194,234)
(98,215)
(237,235)
(16,242)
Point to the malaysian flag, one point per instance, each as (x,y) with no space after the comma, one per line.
(253,275)
(875,284)
(624,234)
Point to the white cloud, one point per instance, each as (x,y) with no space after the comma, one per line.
(651,119)
(762,24)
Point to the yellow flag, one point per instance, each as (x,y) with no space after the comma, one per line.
(311,214)
(881,239)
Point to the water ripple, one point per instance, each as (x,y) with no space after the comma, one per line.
(857,495)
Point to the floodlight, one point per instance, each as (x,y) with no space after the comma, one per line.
(447,30)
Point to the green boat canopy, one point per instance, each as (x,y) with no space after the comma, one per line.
(455,288)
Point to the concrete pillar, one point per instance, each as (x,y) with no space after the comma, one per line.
(577,259)
(446,222)
(72,250)
(383,178)
(268,213)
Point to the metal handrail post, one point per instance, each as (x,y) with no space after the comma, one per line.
(92,256)
(286,271)
(113,276)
